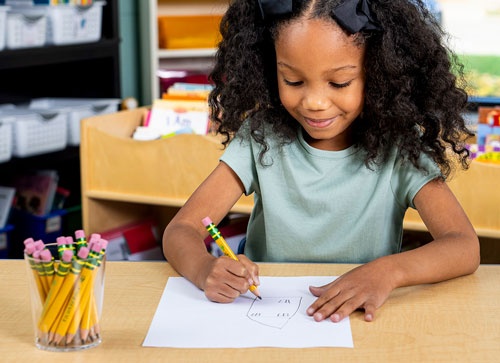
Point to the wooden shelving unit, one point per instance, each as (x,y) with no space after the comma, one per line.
(155,58)
(125,180)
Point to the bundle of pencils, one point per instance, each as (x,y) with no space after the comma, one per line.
(65,288)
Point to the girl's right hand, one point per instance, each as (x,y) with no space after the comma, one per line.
(227,279)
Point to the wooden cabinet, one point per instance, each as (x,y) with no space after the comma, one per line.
(154,58)
(477,191)
(125,180)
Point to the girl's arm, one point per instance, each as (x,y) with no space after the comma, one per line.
(222,279)
(453,252)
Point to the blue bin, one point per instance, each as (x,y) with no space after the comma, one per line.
(5,240)
(47,228)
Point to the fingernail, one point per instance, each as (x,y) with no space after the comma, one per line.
(318,317)
(335,318)
(250,281)
(257,281)
(310,311)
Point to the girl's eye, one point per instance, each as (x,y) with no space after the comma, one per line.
(293,84)
(340,85)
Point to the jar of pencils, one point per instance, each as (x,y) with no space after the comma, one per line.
(66,281)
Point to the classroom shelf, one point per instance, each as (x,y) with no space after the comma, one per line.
(124,180)
(185,53)
(29,57)
(89,70)
(477,191)
(153,58)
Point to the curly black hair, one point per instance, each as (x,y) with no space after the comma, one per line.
(414,96)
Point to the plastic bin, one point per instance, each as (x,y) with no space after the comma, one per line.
(3,25)
(71,24)
(26,27)
(189,31)
(77,109)
(36,131)
(47,227)
(5,240)
(5,138)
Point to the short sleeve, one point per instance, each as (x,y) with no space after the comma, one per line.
(239,156)
(407,180)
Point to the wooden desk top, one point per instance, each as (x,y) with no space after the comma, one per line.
(453,321)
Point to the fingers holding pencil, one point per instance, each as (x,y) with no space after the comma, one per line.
(252,268)
(249,272)
(227,280)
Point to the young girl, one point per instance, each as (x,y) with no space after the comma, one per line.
(339,115)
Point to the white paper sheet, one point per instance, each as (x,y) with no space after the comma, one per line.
(185,318)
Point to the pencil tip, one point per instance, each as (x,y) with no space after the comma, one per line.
(259,297)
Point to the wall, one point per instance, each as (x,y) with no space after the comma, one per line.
(129,49)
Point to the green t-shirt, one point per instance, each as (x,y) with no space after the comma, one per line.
(314,205)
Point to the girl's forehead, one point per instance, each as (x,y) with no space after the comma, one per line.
(325,29)
(316,38)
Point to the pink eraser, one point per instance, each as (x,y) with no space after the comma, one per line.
(30,248)
(39,245)
(206,221)
(94,237)
(45,256)
(96,246)
(104,243)
(36,255)
(79,234)
(67,255)
(61,240)
(69,240)
(28,241)
(83,253)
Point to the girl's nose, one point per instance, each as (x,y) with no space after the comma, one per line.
(316,100)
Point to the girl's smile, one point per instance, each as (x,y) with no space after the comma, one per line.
(321,80)
(319,123)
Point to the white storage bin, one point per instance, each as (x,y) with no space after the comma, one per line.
(5,138)
(26,27)
(71,24)
(36,131)
(78,109)
(3,25)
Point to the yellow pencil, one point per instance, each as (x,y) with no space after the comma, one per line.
(28,251)
(74,307)
(50,313)
(58,281)
(221,242)
(48,267)
(41,273)
(86,292)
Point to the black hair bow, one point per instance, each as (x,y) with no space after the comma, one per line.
(270,8)
(352,15)
(355,15)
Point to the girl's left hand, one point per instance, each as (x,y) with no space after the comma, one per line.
(366,287)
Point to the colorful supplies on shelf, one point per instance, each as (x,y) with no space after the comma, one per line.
(189,31)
